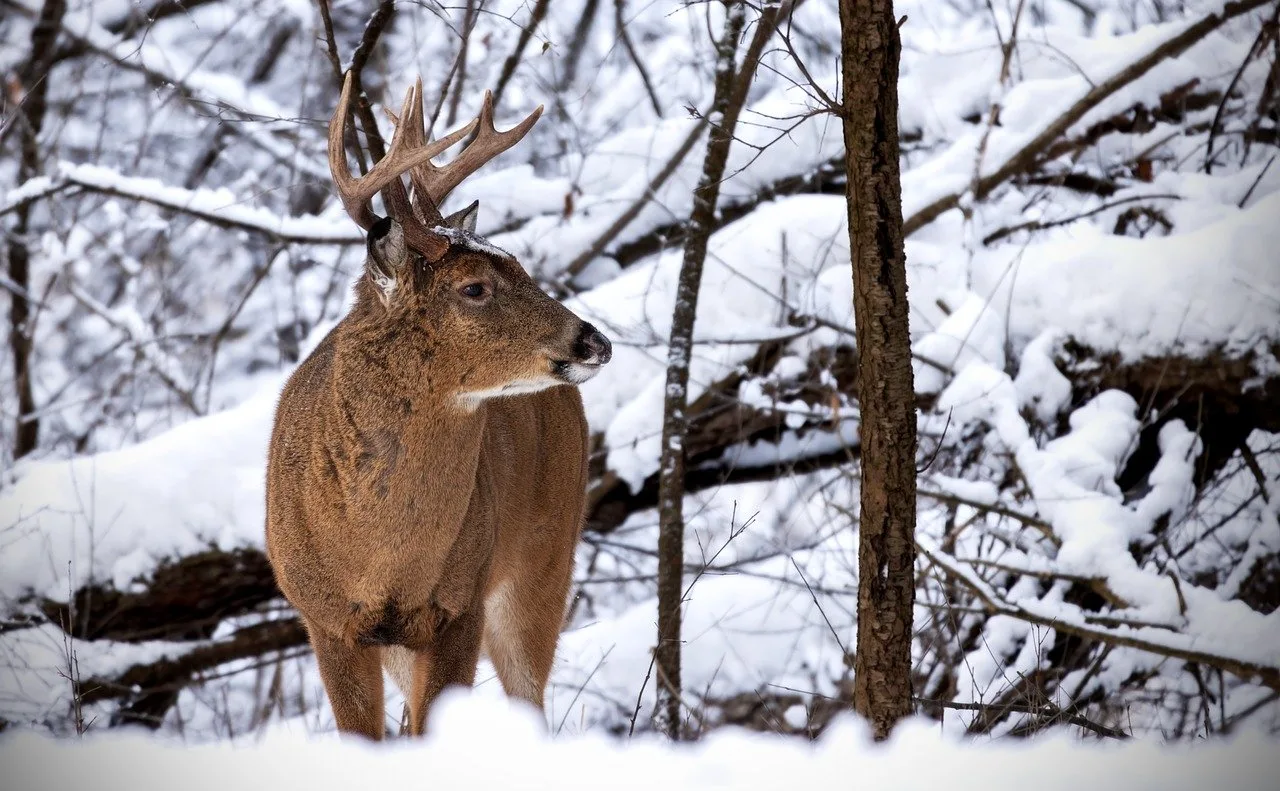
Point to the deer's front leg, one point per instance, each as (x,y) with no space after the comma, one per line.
(449,660)
(352,676)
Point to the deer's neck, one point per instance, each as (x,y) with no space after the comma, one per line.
(398,418)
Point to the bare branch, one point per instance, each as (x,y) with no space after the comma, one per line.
(1027,156)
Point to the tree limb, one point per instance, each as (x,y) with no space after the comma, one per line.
(1026,157)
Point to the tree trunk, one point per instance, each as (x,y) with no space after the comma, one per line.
(675,423)
(886,551)
(34,79)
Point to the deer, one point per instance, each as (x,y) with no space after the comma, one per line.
(427,468)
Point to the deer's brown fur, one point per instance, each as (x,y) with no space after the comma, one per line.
(427,469)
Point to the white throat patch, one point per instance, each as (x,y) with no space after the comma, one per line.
(472,400)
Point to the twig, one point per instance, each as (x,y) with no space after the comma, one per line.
(581,687)
(620,26)
(631,728)
(1255,49)
(843,651)
(536,16)
(1027,156)
(1040,225)
(1249,192)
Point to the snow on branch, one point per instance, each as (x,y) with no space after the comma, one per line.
(228,93)
(167,66)
(1025,157)
(216,206)
(1072,620)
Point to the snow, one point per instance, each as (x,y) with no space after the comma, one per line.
(485,745)
(219,205)
(1215,288)
(993,326)
(96,517)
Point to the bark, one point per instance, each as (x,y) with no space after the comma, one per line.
(34,79)
(724,116)
(886,395)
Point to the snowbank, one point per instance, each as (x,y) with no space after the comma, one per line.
(482,745)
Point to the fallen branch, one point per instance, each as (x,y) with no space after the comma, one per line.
(148,691)
(1046,710)
(1171,644)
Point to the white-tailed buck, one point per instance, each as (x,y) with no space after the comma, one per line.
(427,473)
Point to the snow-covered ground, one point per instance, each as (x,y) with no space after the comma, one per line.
(484,746)
(1033,536)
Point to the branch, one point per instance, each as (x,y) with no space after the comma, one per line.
(378,22)
(149,690)
(1170,644)
(1040,225)
(509,65)
(1259,43)
(620,26)
(765,28)
(1027,156)
(217,207)
(1048,710)
(628,216)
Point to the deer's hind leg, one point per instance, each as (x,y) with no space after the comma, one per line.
(352,676)
(523,616)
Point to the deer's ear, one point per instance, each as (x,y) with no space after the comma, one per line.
(464,219)
(388,254)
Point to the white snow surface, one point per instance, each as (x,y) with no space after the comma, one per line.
(483,744)
(989,320)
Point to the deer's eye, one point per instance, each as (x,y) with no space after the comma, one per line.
(474,290)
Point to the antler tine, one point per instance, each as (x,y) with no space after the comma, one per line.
(433,184)
(414,125)
(356,193)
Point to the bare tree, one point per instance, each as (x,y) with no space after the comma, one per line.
(886,397)
(675,423)
(34,79)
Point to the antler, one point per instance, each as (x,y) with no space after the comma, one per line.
(410,153)
(406,152)
(432,184)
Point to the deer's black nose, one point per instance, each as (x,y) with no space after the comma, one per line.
(592,347)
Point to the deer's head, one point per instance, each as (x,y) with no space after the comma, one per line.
(485,321)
